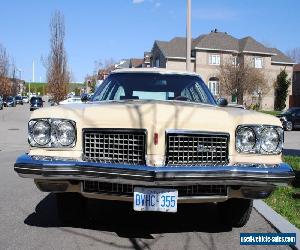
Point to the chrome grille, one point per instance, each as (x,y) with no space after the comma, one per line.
(197,149)
(127,189)
(115,146)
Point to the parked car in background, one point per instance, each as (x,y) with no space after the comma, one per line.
(1,103)
(36,102)
(75,99)
(51,101)
(290,118)
(10,102)
(155,138)
(19,100)
(25,99)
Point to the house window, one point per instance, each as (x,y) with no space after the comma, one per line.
(258,62)
(234,61)
(157,62)
(214,85)
(214,59)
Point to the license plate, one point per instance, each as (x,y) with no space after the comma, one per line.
(155,199)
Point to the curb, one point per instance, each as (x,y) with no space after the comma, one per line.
(280,223)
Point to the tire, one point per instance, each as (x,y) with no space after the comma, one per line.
(235,212)
(289,126)
(70,207)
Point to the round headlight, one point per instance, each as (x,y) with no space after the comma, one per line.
(269,140)
(245,139)
(41,133)
(65,133)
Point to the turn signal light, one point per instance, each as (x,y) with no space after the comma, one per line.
(155,138)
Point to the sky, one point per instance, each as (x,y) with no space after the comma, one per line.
(99,30)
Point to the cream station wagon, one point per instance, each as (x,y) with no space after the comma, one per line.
(155,138)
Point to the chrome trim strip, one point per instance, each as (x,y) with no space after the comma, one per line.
(280,174)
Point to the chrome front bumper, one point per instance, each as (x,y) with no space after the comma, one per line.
(243,175)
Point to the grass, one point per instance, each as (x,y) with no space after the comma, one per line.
(41,87)
(273,112)
(282,200)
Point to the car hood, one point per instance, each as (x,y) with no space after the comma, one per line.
(160,114)
(156,117)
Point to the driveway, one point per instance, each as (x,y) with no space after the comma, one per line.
(292,143)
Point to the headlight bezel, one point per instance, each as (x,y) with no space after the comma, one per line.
(258,129)
(54,142)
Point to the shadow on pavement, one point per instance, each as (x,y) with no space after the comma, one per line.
(119,217)
(293,152)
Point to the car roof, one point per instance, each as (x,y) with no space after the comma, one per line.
(154,70)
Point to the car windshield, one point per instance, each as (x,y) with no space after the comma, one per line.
(10,98)
(18,98)
(154,86)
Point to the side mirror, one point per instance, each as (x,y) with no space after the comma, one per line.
(222,102)
(84,98)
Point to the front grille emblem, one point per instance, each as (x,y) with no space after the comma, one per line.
(204,149)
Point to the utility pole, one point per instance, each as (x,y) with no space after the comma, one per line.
(188,36)
(33,71)
(32,78)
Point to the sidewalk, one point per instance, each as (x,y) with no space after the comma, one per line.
(280,223)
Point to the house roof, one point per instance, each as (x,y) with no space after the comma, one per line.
(220,41)
(217,41)
(124,63)
(136,62)
(280,57)
(174,48)
(248,44)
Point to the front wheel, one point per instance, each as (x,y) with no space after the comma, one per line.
(289,126)
(70,207)
(235,212)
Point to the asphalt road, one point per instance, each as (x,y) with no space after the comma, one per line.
(28,217)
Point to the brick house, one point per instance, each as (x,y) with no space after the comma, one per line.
(295,98)
(210,50)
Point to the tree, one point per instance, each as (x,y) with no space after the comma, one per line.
(5,83)
(281,90)
(240,79)
(58,75)
(294,54)
(77,91)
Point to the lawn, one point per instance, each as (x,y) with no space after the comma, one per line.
(271,112)
(282,200)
